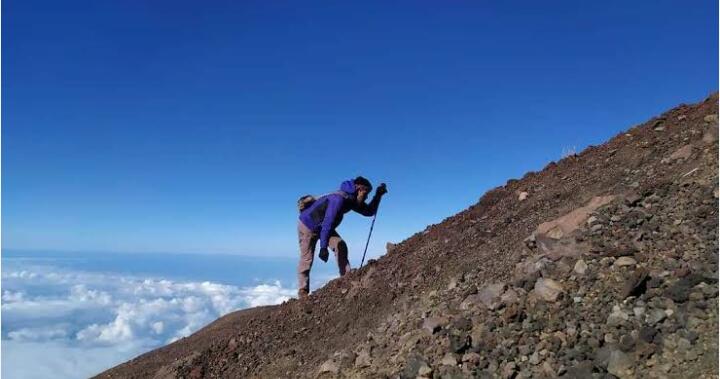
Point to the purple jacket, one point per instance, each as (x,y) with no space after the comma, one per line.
(326,213)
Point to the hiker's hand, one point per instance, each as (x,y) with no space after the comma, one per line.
(324,254)
(382,189)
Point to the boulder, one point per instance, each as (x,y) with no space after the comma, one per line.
(568,223)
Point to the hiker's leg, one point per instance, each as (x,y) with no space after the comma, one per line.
(307,241)
(339,247)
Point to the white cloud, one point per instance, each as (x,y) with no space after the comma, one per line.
(54,359)
(39,334)
(53,319)
(12,297)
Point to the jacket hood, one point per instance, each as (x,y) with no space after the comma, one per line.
(348,187)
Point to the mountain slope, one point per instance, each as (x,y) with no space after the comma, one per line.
(604,262)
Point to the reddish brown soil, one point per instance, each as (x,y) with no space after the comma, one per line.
(293,339)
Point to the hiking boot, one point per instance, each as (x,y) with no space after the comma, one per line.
(303,294)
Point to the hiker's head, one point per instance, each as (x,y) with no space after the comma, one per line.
(362,188)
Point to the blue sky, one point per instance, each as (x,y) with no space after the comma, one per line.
(194,127)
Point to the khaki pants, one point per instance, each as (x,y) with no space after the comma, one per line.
(308,241)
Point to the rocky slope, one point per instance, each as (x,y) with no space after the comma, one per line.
(604,264)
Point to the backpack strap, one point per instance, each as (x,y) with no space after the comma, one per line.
(305,201)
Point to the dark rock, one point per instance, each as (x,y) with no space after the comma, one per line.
(626,343)
(412,366)
(632,199)
(581,370)
(602,358)
(451,372)
(620,252)
(511,313)
(459,342)
(680,290)
(433,324)
(647,333)
(654,282)
(635,285)
(462,323)
(620,363)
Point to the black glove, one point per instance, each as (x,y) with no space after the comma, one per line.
(324,254)
(382,189)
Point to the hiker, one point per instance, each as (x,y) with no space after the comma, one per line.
(319,218)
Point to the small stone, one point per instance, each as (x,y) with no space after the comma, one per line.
(425,371)
(655,316)
(472,358)
(625,261)
(666,367)
(626,343)
(682,153)
(329,366)
(607,261)
(413,365)
(509,297)
(639,311)
(615,218)
(683,344)
(522,196)
(682,272)
(602,357)
(489,295)
(620,364)
(581,370)
(580,267)
(609,339)
(362,359)
(711,118)
(534,358)
(548,289)
(509,370)
(680,290)
(617,317)
(596,227)
(450,359)
(697,296)
(458,343)
(591,220)
(433,324)
(647,334)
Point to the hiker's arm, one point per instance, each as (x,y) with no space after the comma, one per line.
(371,208)
(333,207)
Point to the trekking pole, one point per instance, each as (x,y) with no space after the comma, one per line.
(368,240)
(372,225)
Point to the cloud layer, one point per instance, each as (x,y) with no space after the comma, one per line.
(70,324)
